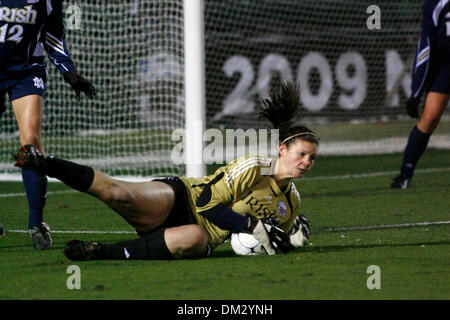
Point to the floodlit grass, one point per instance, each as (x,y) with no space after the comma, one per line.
(413,260)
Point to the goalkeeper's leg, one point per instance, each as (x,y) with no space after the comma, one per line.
(144,205)
(188,241)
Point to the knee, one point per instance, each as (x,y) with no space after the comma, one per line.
(195,242)
(199,239)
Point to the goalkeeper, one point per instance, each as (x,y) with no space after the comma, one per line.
(188,217)
(28,30)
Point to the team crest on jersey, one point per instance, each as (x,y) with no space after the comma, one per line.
(268,198)
(282,208)
(38,82)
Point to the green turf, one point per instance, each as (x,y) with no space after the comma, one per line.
(413,260)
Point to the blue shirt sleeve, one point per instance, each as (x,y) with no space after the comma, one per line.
(54,36)
(424,49)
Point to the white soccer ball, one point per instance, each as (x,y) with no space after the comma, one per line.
(245,244)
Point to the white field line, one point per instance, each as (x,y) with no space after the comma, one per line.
(345,176)
(383,226)
(374,174)
(23,194)
(79,231)
(389,226)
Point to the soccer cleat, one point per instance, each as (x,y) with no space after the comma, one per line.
(29,157)
(79,250)
(400,182)
(40,236)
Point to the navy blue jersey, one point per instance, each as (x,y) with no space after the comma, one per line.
(433,50)
(28,29)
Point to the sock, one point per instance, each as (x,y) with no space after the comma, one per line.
(76,176)
(35,184)
(417,143)
(151,246)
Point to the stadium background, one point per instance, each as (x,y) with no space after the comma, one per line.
(354,80)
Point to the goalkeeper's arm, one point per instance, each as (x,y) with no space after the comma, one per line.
(225,218)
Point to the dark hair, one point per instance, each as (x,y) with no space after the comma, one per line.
(281,109)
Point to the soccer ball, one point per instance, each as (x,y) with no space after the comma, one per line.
(245,244)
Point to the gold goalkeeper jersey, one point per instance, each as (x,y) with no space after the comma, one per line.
(247,186)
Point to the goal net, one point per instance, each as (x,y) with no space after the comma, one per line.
(354,80)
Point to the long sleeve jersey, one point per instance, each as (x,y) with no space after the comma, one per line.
(28,30)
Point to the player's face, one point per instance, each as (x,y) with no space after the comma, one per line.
(299,158)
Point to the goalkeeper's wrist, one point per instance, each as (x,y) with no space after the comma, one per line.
(250,223)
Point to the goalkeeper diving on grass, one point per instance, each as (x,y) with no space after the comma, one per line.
(180,217)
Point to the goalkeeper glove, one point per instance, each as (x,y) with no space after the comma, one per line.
(299,235)
(272,238)
(412,106)
(79,83)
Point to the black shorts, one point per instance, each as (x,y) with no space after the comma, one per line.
(181,213)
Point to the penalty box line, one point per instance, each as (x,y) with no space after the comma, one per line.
(78,231)
(373,227)
(389,226)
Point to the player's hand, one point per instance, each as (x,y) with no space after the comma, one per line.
(79,83)
(412,106)
(299,235)
(272,238)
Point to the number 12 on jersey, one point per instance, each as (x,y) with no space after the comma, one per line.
(14,33)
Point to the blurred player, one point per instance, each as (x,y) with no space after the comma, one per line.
(431,73)
(188,217)
(28,29)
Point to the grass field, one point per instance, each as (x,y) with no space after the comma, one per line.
(340,192)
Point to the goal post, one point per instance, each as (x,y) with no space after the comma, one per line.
(194,86)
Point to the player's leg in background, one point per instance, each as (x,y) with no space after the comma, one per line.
(28,113)
(435,105)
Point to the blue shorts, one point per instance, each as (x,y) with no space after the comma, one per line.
(34,83)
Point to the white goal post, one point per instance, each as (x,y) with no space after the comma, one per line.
(194,86)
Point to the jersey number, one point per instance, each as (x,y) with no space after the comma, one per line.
(14,33)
